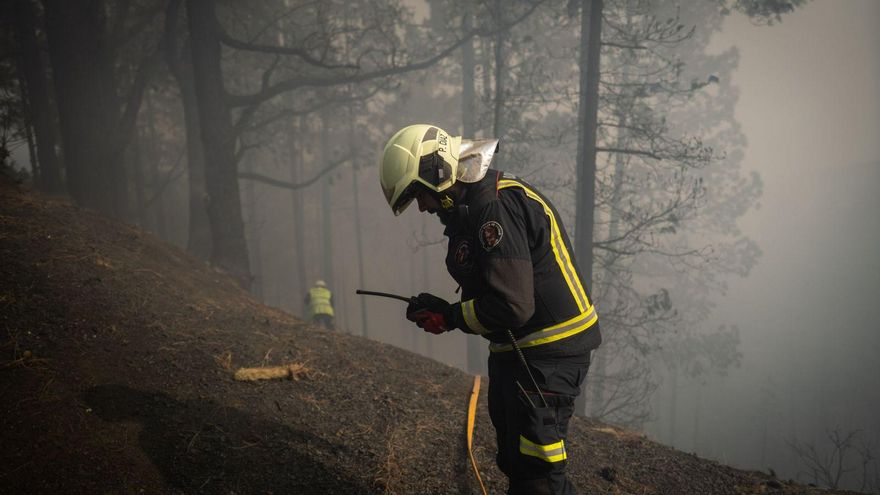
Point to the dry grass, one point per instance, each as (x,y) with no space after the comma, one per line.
(392,472)
(224,360)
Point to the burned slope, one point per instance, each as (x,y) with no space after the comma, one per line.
(117,355)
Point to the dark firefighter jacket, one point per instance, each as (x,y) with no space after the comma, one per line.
(512,257)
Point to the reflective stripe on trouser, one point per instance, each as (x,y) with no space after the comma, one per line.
(553,452)
(531,441)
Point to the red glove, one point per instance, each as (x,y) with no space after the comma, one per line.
(427,311)
(430,322)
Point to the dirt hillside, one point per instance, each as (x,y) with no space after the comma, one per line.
(117,355)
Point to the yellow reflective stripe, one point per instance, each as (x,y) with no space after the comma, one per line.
(563,258)
(559,331)
(470,317)
(554,452)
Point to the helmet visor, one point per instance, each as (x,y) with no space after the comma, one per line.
(405,198)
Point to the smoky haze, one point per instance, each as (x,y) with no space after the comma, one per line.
(808,313)
(806,92)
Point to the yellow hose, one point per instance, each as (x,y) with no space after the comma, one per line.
(472,409)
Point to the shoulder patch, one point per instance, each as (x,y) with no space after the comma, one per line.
(490,234)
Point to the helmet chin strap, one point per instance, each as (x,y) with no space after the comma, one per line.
(449,200)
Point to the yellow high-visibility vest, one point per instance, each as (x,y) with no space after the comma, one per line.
(319,301)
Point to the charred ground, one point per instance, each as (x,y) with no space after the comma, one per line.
(117,353)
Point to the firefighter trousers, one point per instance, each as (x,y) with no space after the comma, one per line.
(530,435)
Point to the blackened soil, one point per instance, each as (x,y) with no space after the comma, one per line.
(116,359)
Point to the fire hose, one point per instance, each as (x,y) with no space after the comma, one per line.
(472,408)
(472,405)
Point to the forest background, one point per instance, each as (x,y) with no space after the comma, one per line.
(716,163)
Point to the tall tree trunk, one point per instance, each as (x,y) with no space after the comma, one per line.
(697,447)
(37,98)
(28,133)
(88,104)
(598,368)
(158,205)
(253,237)
(468,71)
(588,108)
(179,61)
(358,227)
(498,128)
(199,241)
(229,249)
(414,288)
(358,233)
(673,403)
(297,165)
(139,185)
(326,205)
(426,283)
(792,410)
(468,130)
(486,58)
(765,419)
(598,371)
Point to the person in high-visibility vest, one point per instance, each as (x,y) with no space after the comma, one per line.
(521,289)
(319,305)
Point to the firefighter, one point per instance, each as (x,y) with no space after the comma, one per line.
(319,304)
(521,289)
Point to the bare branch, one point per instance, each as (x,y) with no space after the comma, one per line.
(341,79)
(231,42)
(290,185)
(649,154)
(243,125)
(622,46)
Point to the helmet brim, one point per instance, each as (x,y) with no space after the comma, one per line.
(405,198)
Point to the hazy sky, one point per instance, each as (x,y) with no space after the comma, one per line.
(809,313)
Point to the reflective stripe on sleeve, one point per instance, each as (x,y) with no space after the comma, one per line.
(563,257)
(470,317)
(565,329)
(554,452)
